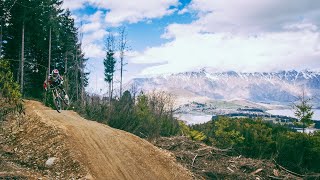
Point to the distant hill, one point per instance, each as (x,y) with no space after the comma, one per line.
(268,87)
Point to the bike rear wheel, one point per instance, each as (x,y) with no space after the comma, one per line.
(64,97)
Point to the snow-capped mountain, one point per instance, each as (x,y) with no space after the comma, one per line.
(283,86)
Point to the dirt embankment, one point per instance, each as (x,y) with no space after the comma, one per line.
(82,149)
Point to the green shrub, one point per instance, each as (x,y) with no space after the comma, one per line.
(255,138)
(191,133)
(299,151)
(149,117)
(10,97)
(226,134)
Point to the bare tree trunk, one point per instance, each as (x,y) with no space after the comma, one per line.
(49,60)
(110,93)
(111,88)
(121,72)
(1,34)
(22,60)
(82,69)
(134,92)
(82,82)
(19,69)
(77,71)
(122,48)
(65,72)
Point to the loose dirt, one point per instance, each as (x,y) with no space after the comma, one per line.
(93,150)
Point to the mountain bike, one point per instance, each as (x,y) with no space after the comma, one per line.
(59,95)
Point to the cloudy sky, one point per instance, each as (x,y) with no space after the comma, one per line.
(169,36)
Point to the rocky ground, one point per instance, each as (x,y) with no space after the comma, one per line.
(31,149)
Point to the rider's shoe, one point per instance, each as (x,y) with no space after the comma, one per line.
(66,98)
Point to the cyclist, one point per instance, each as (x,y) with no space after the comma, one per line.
(55,80)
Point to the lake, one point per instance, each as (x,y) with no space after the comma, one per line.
(193,118)
(290,113)
(203,118)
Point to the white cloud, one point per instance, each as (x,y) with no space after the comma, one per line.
(183,11)
(138,10)
(251,16)
(94,31)
(113,13)
(91,27)
(225,51)
(73,4)
(301,26)
(95,37)
(94,22)
(242,35)
(93,50)
(129,11)
(181,30)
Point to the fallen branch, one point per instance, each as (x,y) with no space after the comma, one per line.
(288,171)
(230,169)
(215,149)
(204,155)
(274,177)
(194,159)
(198,168)
(6,173)
(256,171)
(313,175)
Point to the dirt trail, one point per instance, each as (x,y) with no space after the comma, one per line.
(110,153)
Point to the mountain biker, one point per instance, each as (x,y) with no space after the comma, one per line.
(55,80)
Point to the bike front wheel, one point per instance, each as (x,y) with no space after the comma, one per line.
(57,102)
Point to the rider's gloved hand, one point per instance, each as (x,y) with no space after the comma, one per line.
(45,86)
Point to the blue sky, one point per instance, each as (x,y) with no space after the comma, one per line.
(170,36)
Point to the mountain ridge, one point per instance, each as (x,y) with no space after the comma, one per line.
(268,87)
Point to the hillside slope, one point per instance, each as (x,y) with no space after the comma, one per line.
(106,152)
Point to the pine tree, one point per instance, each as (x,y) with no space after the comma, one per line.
(109,64)
(39,16)
(109,69)
(303,111)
